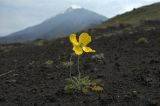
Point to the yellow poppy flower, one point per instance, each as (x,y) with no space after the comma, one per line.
(81,45)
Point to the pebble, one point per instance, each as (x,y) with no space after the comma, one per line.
(100,76)
(134,93)
(152,102)
(2,99)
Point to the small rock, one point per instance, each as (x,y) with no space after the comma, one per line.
(60,93)
(117,64)
(98,56)
(15,75)
(143,62)
(134,93)
(153,62)
(35,104)
(95,69)
(20,67)
(2,99)
(127,97)
(148,80)
(125,75)
(50,98)
(44,67)
(100,76)
(152,102)
(11,81)
(30,67)
(116,58)
(103,102)
(32,62)
(34,90)
(58,104)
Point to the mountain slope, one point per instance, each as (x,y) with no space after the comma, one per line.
(150,12)
(72,20)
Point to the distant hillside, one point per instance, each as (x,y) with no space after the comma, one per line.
(150,12)
(72,20)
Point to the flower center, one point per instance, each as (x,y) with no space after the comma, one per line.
(80,45)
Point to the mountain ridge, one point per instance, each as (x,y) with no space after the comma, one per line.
(61,25)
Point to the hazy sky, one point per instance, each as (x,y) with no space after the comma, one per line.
(19,14)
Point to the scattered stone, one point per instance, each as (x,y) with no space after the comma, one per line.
(85,101)
(11,81)
(60,93)
(148,80)
(2,99)
(32,62)
(30,67)
(100,76)
(95,69)
(116,58)
(103,102)
(87,66)
(35,104)
(33,90)
(58,104)
(15,75)
(152,102)
(143,62)
(98,56)
(135,93)
(20,67)
(50,76)
(117,64)
(125,75)
(127,97)
(44,67)
(50,98)
(153,62)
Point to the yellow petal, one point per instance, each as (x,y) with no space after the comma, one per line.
(88,49)
(78,50)
(84,39)
(73,39)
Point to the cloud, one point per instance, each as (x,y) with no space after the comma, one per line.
(19,14)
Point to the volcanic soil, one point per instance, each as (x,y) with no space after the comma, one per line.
(127,60)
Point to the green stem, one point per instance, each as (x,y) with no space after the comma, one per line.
(79,73)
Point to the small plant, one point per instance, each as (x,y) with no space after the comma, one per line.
(39,42)
(49,62)
(67,64)
(79,83)
(83,84)
(142,40)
